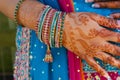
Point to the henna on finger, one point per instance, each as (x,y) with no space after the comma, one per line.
(104,21)
(109,35)
(108,59)
(110,48)
(96,66)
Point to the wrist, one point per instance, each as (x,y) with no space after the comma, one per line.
(29,12)
(50,29)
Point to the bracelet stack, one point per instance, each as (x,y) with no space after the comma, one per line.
(16,10)
(50,29)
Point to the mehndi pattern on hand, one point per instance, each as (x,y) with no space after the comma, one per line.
(84,36)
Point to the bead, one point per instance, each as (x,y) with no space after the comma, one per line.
(59,78)
(59,66)
(43,72)
(34,69)
(52,70)
(16,10)
(58,53)
(78,70)
(67,5)
(61,30)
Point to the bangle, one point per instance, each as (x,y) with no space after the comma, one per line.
(16,10)
(61,30)
(57,33)
(41,21)
(52,30)
(37,23)
(46,34)
(46,26)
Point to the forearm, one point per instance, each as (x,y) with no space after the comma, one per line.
(28,13)
(7,7)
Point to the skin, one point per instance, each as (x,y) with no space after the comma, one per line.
(88,40)
(107,4)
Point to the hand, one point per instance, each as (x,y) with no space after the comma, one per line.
(105,3)
(84,36)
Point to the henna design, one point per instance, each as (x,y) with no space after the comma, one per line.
(105,33)
(110,60)
(83,19)
(118,38)
(93,33)
(112,22)
(108,48)
(87,40)
(95,66)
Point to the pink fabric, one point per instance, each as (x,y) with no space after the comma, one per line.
(74,66)
(77,67)
(71,64)
(73,61)
(66,5)
(96,76)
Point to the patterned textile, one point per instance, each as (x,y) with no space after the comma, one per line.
(30,65)
(21,65)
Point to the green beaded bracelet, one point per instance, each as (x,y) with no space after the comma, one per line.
(52,30)
(61,31)
(16,10)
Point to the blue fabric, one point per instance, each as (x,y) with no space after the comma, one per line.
(58,70)
(41,70)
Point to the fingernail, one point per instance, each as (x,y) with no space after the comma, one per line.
(118,22)
(89,1)
(96,6)
(108,16)
(107,77)
(111,17)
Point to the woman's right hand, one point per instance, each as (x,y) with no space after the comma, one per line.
(84,36)
(115,4)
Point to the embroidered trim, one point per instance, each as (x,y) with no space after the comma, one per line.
(21,66)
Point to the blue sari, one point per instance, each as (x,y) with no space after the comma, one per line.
(58,70)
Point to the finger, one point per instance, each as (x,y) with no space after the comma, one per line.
(98,0)
(110,48)
(111,4)
(108,35)
(96,66)
(104,21)
(115,15)
(108,59)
